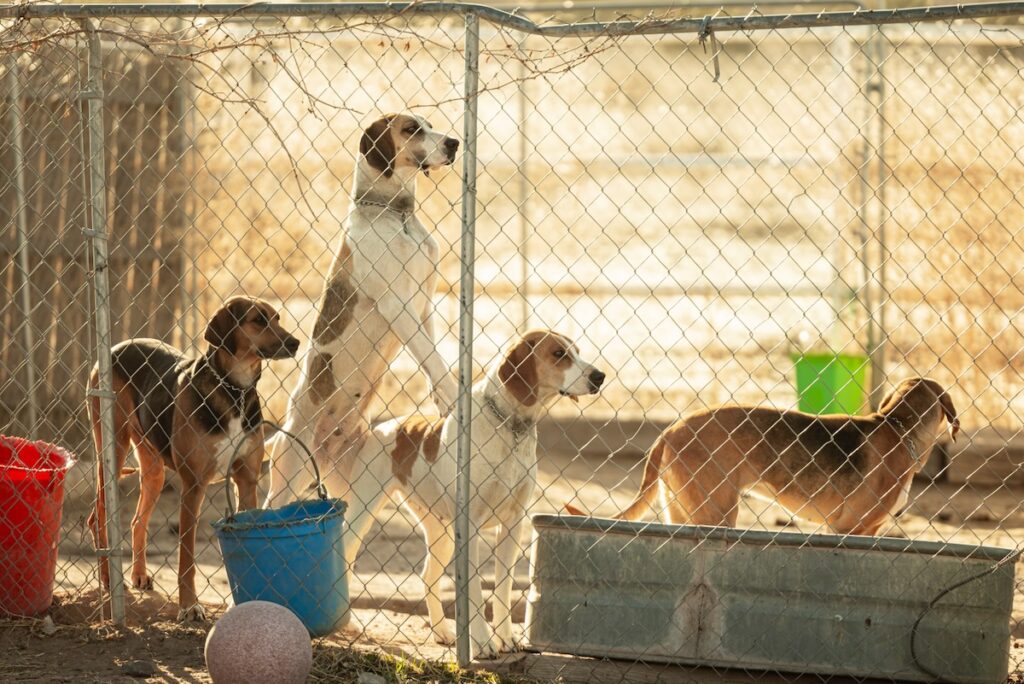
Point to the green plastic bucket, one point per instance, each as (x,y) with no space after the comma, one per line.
(831,383)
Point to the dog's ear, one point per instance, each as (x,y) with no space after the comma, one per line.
(378,146)
(896,395)
(890,400)
(220,331)
(950,412)
(518,372)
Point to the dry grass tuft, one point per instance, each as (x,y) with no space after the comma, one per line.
(340,665)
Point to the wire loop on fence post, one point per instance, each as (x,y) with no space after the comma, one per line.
(97,234)
(703,34)
(464,410)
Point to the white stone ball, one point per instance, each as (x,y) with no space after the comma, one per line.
(258,641)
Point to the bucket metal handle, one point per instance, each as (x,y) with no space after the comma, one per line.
(321,490)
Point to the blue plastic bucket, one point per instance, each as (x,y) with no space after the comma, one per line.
(292,556)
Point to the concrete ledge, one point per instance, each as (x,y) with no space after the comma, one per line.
(989,457)
(596,437)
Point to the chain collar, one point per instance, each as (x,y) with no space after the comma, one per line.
(234,391)
(518,426)
(905,438)
(404,215)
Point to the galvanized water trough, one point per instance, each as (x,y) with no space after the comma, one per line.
(768,600)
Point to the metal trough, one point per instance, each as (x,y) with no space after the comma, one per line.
(775,601)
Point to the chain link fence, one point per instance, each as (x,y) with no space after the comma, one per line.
(788,211)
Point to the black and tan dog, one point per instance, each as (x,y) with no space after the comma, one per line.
(849,472)
(189,415)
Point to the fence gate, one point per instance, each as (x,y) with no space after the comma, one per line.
(784,211)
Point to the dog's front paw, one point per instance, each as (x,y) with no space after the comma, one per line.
(488,651)
(443,633)
(486,648)
(505,641)
(195,613)
(142,581)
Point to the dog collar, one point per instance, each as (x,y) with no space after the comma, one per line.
(905,438)
(517,425)
(404,215)
(234,391)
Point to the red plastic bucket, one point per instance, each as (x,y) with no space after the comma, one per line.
(31,494)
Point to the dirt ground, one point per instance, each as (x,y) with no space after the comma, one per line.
(83,652)
(155,647)
(387,594)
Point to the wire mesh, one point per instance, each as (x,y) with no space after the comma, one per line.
(736,210)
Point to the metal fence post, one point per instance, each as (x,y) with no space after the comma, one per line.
(464,410)
(184,96)
(522,193)
(874,282)
(97,232)
(863,296)
(878,352)
(21,222)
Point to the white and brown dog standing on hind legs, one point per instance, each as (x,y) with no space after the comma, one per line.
(413,460)
(378,297)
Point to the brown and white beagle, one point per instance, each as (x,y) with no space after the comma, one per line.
(189,415)
(378,297)
(413,459)
(848,472)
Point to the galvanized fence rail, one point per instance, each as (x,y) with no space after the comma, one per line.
(706,207)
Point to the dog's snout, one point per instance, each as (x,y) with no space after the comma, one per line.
(286,348)
(595,378)
(451,145)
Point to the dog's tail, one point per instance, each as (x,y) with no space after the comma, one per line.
(572,510)
(645,498)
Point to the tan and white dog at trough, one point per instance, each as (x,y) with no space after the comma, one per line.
(413,460)
(848,472)
(378,297)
